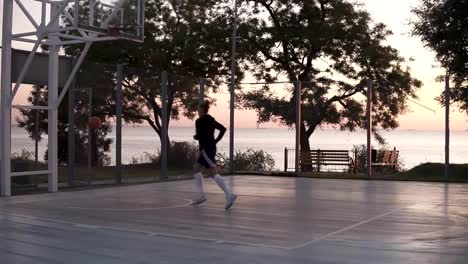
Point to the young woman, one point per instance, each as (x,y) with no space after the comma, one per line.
(205,134)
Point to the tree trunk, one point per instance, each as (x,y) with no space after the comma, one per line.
(167,139)
(306,157)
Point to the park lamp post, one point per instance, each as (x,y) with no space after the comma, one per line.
(232,89)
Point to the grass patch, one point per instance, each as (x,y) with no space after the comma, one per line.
(435,172)
(427,172)
(109,173)
(134,172)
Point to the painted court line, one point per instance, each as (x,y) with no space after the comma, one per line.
(188,202)
(87,226)
(214,241)
(343,229)
(30,201)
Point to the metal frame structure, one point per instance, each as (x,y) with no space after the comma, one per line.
(48,32)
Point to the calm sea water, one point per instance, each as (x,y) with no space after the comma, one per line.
(415,147)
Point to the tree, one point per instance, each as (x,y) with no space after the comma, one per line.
(101,145)
(443,26)
(188,39)
(333,47)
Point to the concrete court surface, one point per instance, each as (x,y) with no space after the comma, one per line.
(275,220)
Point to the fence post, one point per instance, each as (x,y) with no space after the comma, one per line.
(369,128)
(164,126)
(318,160)
(298,128)
(285,159)
(118,125)
(71,134)
(355,159)
(36,132)
(447,128)
(90,135)
(36,127)
(231,88)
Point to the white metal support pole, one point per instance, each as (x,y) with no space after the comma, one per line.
(232,90)
(5,119)
(52,102)
(447,128)
(297,166)
(369,128)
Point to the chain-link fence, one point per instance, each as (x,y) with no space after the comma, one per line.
(125,143)
(331,148)
(264,127)
(28,140)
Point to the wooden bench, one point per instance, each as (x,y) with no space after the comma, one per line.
(321,158)
(385,159)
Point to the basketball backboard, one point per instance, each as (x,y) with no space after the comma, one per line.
(116,18)
(111,19)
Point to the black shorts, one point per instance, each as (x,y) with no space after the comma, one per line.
(207,157)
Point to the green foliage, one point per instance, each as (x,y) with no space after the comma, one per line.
(24,155)
(100,144)
(250,160)
(360,158)
(24,161)
(442,25)
(181,155)
(333,46)
(436,171)
(188,39)
(28,117)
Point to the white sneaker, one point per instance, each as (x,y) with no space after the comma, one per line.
(230,201)
(199,201)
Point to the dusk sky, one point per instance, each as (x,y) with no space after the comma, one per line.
(396,14)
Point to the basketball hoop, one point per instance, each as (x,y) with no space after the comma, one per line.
(122,31)
(114,32)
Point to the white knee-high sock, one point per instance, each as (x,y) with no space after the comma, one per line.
(199,180)
(222,184)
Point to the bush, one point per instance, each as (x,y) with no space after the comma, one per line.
(250,160)
(181,155)
(24,161)
(436,171)
(100,146)
(360,158)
